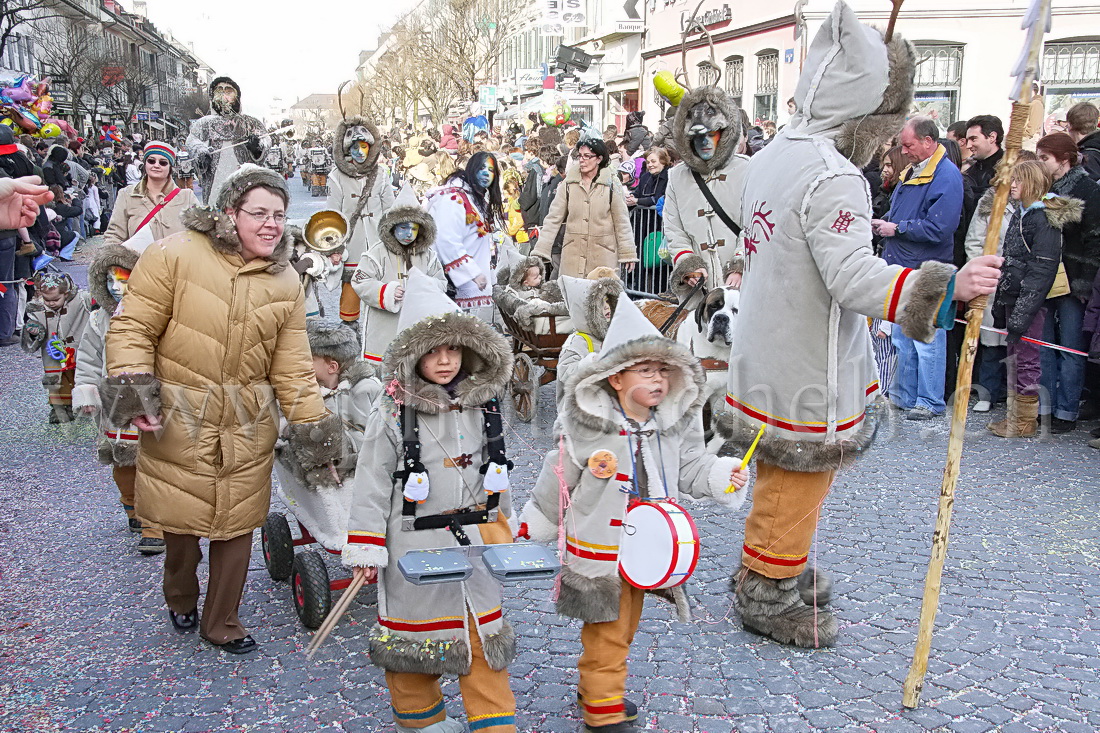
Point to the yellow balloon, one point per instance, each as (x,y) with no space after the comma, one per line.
(667,86)
(49,130)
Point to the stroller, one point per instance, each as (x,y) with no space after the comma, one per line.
(322,518)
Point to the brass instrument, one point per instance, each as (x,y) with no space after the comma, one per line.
(326,231)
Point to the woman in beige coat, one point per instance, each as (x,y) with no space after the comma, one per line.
(590,207)
(157,185)
(211,333)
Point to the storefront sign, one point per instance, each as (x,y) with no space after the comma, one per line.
(629,26)
(487,97)
(566,13)
(714,16)
(526,78)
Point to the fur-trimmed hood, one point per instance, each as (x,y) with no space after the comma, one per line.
(586,312)
(518,271)
(713,109)
(339,155)
(400,213)
(854,87)
(589,400)
(1059,217)
(216,224)
(106,257)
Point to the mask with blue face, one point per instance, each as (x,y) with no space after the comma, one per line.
(486,174)
(406,232)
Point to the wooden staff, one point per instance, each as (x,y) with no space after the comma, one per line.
(334,615)
(914,682)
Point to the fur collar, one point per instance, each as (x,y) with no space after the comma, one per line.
(1065,185)
(860,139)
(486,359)
(350,168)
(357,371)
(985,203)
(222,234)
(590,402)
(402,213)
(724,111)
(605,177)
(106,257)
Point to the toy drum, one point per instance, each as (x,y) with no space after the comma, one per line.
(659,546)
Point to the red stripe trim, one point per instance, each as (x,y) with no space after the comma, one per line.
(676,257)
(775,422)
(372,357)
(490,617)
(592,554)
(621,477)
(382,296)
(616,522)
(121,436)
(784,561)
(615,707)
(358,539)
(428,626)
(895,297)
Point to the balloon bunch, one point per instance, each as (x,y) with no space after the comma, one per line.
(25,107)
(555,109)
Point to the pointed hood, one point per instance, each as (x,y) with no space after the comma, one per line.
(106,257)
(407,208)
(430,319)
(854,87)
(585,300)
(631,338)
(706,109)
(340,150)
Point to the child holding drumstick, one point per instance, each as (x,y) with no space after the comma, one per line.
(630,428)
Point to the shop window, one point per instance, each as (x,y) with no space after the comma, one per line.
(735,77)
(1071,72)
(937,81)
(767,85)
(708,73)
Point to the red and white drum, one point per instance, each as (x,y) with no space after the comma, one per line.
(659,546)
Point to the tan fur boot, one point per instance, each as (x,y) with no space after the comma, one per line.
(1021,420)
(1002,428)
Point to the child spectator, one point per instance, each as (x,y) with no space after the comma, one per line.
(433,429)
(530,300)
(55,322)
(630,429)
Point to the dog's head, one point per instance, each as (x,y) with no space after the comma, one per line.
(714,316)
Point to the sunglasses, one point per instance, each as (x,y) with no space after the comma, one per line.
(157,160)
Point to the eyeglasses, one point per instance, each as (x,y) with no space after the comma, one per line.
(587,156)
(157,160)
(261,217)
(650,372)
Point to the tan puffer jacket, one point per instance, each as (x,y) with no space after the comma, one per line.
(219,339)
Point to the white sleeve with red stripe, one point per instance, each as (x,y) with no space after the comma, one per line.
(450,239)
(835,217)
(372,495)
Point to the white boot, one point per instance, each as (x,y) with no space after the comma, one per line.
(447,725)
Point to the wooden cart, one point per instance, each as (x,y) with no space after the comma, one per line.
(536,362)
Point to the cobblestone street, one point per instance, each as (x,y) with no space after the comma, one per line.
(85,644)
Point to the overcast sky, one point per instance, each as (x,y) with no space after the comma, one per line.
(277,48)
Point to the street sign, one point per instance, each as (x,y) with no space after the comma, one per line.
(566,13)
(487,97)
(629,26)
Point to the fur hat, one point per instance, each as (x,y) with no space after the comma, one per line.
(106,257)
(518,273)
(707,108)
(246,178)
(333,340)
(430,319)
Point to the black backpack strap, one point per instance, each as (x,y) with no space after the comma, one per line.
(714,203)
(494,436)
(410,463)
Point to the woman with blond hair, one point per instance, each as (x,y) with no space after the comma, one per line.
(1032,272)
(156,201)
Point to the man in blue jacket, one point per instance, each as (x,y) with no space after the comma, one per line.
(924,213)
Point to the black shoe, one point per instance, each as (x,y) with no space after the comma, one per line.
(1095,432)
(1090,410)
(630,710)
(150,546)
(185,623)
(239,646)
(1059,426)
(9,341)
(135,524)
(622,727)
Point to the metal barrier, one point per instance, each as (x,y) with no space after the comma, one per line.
(651,273)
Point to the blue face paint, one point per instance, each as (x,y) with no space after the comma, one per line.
(406,232)
(706,145)
(486,174)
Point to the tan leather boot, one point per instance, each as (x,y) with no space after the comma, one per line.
(1021,420)
(1001,427)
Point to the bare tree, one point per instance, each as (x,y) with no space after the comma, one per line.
(133,85)
(469,36)
(16,15)
(75,57)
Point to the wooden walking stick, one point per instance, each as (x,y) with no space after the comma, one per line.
(1036,20)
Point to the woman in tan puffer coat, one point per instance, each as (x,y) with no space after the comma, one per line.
(210,333)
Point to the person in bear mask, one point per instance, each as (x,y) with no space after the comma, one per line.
(224,140)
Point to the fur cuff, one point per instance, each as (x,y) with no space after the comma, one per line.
(499,649)
(86,395)
(538,526)
(918,319)
(592,600)
(388,292)
(364,556)
(128,396)
(678,597)
(718,480)
(687,264)
(315,444)
(111,453)
(397,653)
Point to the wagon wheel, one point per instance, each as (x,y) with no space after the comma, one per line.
(525,387)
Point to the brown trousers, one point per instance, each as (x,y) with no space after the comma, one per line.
(125,479)
(781,524)
(62,394)
(490,705)
(228,572)
(350,303)
(602,665)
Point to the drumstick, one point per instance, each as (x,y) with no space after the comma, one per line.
(748,456)
(334,615)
